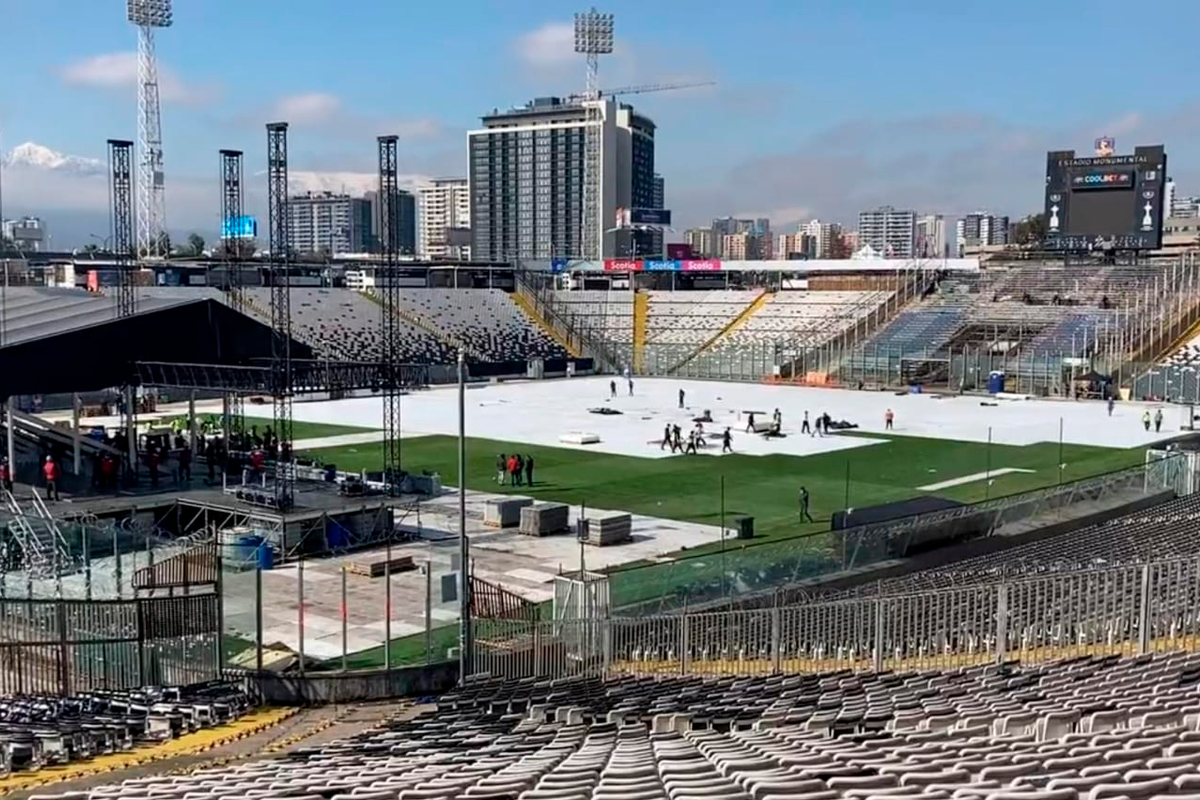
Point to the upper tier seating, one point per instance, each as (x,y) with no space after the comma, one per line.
(344,325)
(692,318)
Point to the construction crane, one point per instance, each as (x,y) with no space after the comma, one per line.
(645,89)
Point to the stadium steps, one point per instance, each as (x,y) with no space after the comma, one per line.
(418,322)
(641,319)
(733,325)
(1192,333)
(532,313)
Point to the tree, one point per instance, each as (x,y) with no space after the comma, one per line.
(196,244)
(1030,230)
(164,244)
(238,248)
(91,249)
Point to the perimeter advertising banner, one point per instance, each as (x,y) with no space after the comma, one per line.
(658,265)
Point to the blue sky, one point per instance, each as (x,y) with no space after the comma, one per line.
(819,109)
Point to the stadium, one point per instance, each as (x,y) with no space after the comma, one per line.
(559,528)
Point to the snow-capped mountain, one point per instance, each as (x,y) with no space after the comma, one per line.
(35,156)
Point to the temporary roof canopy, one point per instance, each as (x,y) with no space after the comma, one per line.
(66,340)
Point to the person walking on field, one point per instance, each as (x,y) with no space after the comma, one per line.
(529,470)
(727,442)
(1111,403)
(804,515)
(681,398)
(805,427)
(677,443)
(1146,420)
(612,389)
(50,472)
(750,423)
(501,468)
(888,417)
(1158,417)
(520,467)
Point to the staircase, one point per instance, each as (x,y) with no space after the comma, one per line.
(530,311)
(43,550)
(641,319)
(735,323)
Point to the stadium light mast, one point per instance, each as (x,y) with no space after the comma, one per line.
(593,38)
(151,202)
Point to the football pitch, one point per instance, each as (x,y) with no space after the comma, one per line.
(764,487)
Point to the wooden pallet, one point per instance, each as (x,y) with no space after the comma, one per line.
(377,569)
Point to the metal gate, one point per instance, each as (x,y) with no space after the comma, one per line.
(66,647)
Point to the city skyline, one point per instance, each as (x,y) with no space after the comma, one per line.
(750,146)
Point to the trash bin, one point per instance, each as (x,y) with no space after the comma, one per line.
(745,528)
(266,555)
(995,382)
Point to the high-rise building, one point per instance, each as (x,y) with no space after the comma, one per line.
(526,171)
(746,246)
(825,237)
(980,229)
(889,231)
(444,213)
(792,246)
(27,234)
(324,222)
(701,242)
(723,227)
(658,200)
(406,222)
(1169,197)
(931,236)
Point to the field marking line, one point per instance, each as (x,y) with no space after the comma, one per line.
(976,476)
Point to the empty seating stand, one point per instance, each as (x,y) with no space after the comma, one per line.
(1087,728)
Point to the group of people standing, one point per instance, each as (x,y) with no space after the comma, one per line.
(516,468)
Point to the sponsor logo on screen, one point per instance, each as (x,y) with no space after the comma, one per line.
(1103,180)
(701,265)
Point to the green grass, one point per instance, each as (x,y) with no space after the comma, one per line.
(300,430)
(765,487)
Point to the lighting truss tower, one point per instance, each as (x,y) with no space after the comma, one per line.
(151,208)
(389,308)
(231,215)
(593,38)
(120,212)
(281,312)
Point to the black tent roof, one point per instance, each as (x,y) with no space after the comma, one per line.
(64,340)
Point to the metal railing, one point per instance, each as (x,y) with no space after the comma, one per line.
(1137,608)
(755,573)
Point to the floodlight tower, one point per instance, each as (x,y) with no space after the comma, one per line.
(151,203)
(593,38)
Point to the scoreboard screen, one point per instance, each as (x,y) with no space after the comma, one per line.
(1107,202)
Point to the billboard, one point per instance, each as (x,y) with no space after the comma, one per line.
(239,228)
(1106,202)
(627,217)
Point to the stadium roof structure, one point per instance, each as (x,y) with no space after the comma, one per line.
(67,340)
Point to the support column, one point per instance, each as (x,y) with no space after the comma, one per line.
(78,455)
(131,432)
(9,407)
(192,421)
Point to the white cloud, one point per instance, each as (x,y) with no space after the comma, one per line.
(326,111)
(119,71)
(550,45)
(307,108)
